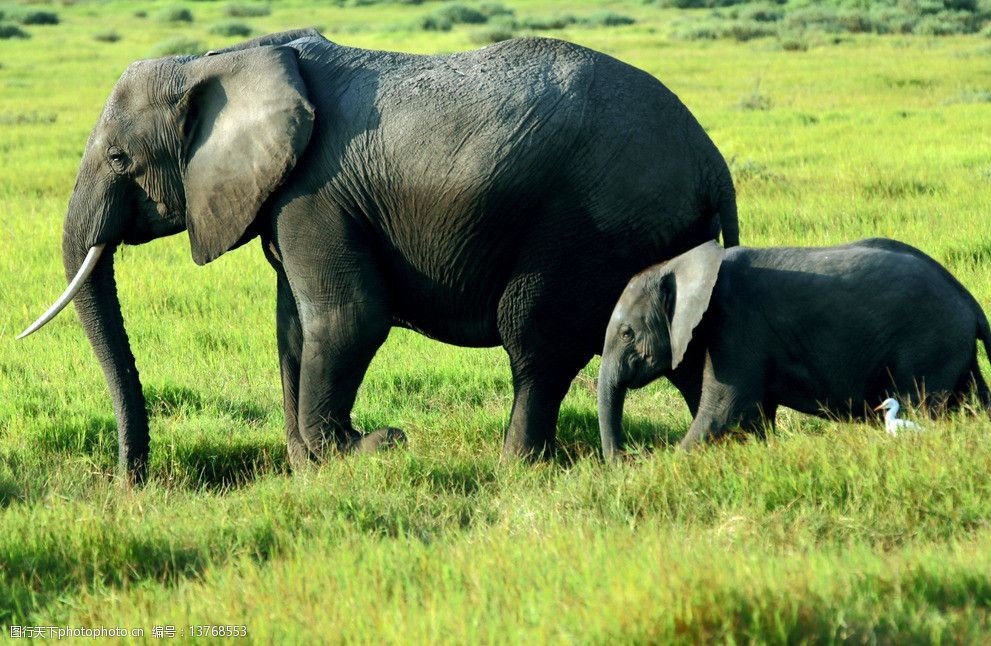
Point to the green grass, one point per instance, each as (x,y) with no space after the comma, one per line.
(829,531)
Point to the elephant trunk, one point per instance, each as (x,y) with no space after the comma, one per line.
(612,395)
(91,233)
(99,311)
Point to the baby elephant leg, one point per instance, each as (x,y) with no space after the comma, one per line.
(728,400)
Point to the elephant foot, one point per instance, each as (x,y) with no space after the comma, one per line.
(379,440)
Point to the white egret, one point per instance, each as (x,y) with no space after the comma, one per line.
(891,422)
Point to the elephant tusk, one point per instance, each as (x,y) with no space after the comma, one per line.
(74,286)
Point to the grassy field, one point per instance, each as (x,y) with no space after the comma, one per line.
(828,532)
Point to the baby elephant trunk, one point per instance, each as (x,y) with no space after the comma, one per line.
(612,395)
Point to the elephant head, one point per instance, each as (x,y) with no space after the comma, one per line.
(649,331)
(182,143)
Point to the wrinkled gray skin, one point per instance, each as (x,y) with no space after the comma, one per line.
(826,331)
(496,197)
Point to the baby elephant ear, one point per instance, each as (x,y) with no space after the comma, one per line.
(245,121)
(695,273)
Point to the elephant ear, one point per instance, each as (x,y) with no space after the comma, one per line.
(246,120)
(695,273)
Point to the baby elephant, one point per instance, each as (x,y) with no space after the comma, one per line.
(826,331)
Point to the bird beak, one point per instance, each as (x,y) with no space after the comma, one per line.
(879,407)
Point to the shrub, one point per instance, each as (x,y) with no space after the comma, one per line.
(175,14)
(813,17)
(231,28)
(760,13)
(970,95)
(459,13)
(938,25)
(237,10)
(36,18)
(547,23)
(855,21)
(607,19)
(178,46)
(751,171)
(699,4)
(929,17)
(794,43)
(432,22)
(744,30)
(140,13)
(754,101)
(699,31)
(496,31)
(892,20)
(492,9)
(8,31)
(107,36)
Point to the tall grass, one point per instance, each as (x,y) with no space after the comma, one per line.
(830,531)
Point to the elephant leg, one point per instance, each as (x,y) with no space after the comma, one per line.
(538,323)
(289,334)
(757,421)
(687,377)
(338,346)
(728,400)
(971,383)
(537,401)
(981,386)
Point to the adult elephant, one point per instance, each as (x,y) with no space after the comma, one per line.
(497,197)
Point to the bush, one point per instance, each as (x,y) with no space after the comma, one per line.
(8,31)
(607,19)
(855,21)
(939,25)
(929,17)
(892,20)
(459,13)
(36,18)
(750,171)
(178,46)
(496,31)
(699,31)
(237,10)
(140,13)
(231,28)
(547,23)
(760,13)
(492,9)
(754,101)
(431,22)
(743,30)
(108,36)
(812,17)
(700,4)
(794,43)
(175,14)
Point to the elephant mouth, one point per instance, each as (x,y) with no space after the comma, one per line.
(156,219)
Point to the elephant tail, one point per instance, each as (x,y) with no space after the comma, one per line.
(984,334)
(727,219)
(722,199)
(983,329)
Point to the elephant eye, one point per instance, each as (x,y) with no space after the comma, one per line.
(626,333)
(118,159)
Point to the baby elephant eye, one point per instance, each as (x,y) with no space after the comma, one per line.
(626,333)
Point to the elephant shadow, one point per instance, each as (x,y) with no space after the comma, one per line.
(170,399)
(578,434)
(221,461)
(204,461)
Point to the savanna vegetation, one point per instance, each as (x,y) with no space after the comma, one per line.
(831,531)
